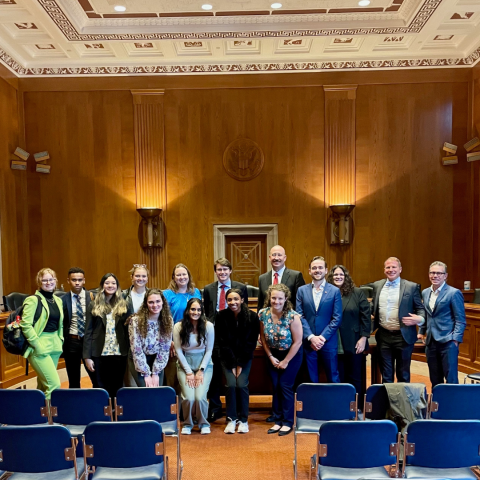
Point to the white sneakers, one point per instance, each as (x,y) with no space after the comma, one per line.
(205,430)
(231,425)
(186,430)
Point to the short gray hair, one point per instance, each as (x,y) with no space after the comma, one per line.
(393,258)
(440,264)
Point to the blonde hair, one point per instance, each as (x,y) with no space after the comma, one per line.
(138,267)
(173,285)
(117,304)
(42,272)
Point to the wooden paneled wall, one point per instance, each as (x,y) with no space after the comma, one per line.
(408,204)
(475,177)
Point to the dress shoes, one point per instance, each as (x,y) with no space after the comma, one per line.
(282,433)
(212,416)
(270,419)
(273,430)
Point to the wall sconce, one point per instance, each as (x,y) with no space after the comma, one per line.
(341,224)
(151,228)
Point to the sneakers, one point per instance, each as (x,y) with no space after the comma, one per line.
(242,427)
(230,428)
(205,430)
(187,430)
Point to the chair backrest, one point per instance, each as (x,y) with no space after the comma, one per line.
(376,402)
(157,403)
(476,297)
(23,407)
(60,293)
(323,401)
(455,402)
(123,444)
(252,291)
(359,444)
(35,448)
(367,290)
(443,443)
(13,300)
(80,406)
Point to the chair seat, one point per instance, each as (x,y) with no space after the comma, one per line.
(338,473)
(439,473)
(474,376)
(306,425)
(67,474)
(149,472)
(76,430)
(169,428)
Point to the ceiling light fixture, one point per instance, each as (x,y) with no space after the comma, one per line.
(119,8)
(276,5)
(207,6)
(364,3)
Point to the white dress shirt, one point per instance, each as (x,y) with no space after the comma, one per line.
(74,320)
(434,295)
(317,298)
(388,305)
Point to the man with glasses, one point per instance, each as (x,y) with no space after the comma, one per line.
(444,326)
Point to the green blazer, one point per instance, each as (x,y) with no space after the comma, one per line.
(32,333)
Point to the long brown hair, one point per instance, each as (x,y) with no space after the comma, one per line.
(173,285)
(187,327)
(165,320)
(348,283)
(116,305)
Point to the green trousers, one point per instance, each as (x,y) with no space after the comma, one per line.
(44,360)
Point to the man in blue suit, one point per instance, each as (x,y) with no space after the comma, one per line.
(444,326)
(320,306)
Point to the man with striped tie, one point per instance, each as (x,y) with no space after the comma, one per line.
(75,304)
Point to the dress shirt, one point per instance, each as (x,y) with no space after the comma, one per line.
(434,295)
(74,320)
(280,274)
(388,305)
(317,297)
(228,285)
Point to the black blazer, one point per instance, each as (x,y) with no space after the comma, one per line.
(356,321)
(127,295)
(236,340)
(291,278)
(67,314)
(95,331)
(410,301)
(210,293)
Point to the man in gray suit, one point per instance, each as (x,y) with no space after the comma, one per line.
(279,274)
(444,326)
(397,310)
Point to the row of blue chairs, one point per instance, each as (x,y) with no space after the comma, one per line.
(432,449)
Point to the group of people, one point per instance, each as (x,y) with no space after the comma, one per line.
(148,337)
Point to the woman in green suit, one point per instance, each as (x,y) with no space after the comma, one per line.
(46,336)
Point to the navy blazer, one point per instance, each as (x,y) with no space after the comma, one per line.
(324,321)
(447,321)
(67,314)
(409,301)
(210,293)
(291,278)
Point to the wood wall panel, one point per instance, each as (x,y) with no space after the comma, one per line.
(475,176)
(408,204)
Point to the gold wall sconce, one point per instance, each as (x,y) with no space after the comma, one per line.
(341,224)
(151,229)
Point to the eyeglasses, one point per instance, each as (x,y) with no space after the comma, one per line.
(50,280)
(139,265)
(436,274)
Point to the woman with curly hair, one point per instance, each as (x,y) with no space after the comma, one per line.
(150,332)
(194,337)
(354,329)
(281,333)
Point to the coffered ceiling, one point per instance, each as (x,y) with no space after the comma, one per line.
(88,37)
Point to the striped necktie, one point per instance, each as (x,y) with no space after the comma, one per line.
(80,317)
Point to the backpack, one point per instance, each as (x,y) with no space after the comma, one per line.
(14,340)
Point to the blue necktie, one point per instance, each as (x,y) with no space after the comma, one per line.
(80,317)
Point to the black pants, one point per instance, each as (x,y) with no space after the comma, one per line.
(214,404)
(442,359)
(110,371)
(237,396)
(395,355)
(138,377)
(350,370)
(73,355)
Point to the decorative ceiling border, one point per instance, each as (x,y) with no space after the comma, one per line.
(62,21)
(238,68)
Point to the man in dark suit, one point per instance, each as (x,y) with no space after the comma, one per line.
(75,304)
(279,274)
(397,310)
(320,306)
(214,300)
(444,326)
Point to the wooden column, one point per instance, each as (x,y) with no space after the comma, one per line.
(339,160)
(150,171)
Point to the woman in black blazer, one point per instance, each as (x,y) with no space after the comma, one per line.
(105,345)
(354,329)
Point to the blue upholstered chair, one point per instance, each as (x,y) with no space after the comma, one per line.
(125,450)
(375,405)
(317,403)
(23,407)
(441,449)
(40,452)
(157,403)
(455,402)
(352,450)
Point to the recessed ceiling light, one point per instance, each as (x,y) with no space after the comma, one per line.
(276,5)
(119,8)
(207,6)
(364,3)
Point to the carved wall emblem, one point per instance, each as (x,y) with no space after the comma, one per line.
(243,159)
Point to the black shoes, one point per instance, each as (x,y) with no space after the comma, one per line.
(270,419)
(282,433)
(212,416)
(273,430)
